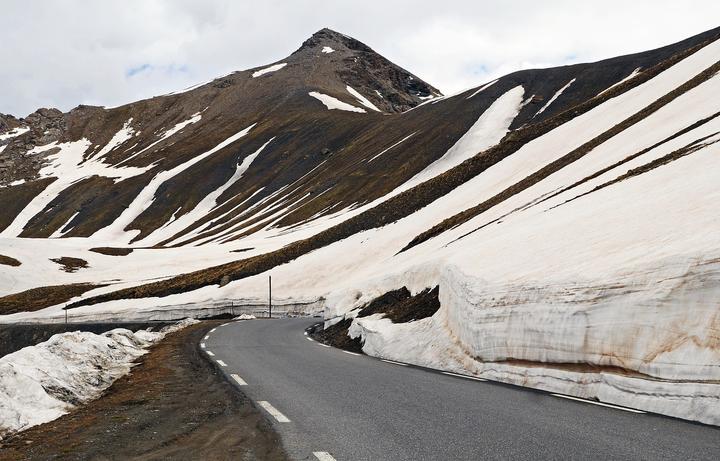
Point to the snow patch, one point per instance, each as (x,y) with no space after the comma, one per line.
(14,133)
(116,231)
(554,97)
(267,70)
(327,49)
(362,99)
(334,103)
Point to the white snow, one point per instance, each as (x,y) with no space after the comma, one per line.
(14,133)
(392,146)
(43,382)
(327,49)
(487,131)
(554,97)
(60,231)
(125,133)
(267,70)
(68,166)
(334,103)
(206,205)
(17,182)
(116,231)
(194,118)
(482,88)
(362,99)
(632,75)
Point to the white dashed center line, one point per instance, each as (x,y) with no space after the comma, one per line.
(213,330)
(309,339)
(463,376)
(221,363)
(323,456)
(394,363)
(238,380)
(631,410)
(323,345)
(210,353)
(202,345)
(351,353)
(206,337)
(281,418)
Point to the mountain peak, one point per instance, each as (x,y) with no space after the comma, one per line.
(327,37)
(387,85)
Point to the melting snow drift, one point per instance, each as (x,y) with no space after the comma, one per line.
(43,382)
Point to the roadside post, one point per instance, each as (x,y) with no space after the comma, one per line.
(269,296)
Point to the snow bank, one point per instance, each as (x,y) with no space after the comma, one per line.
(267,70)
(43,382)
(334,103)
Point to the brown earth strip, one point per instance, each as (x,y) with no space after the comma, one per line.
(112,251)
(389,211)
(70,264)
(9,261)
(560,163)
(173,405)
(40,298)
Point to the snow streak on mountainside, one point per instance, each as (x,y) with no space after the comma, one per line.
(568,215)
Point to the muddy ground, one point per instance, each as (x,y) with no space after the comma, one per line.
(174,405)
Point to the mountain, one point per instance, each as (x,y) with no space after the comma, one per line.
(566,216)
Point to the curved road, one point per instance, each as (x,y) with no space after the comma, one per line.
(329,404)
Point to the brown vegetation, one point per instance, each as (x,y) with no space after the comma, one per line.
(70,264)
(40,298)
(9,261)
(112,251)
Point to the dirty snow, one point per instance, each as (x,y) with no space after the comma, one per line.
(43,382)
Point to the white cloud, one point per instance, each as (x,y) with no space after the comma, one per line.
(68,52)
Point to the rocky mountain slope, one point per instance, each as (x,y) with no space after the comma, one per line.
(566,215)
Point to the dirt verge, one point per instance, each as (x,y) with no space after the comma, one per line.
(174,405)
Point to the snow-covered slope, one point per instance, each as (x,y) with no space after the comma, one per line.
(568,216)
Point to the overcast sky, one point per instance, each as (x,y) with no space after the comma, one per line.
(62,53)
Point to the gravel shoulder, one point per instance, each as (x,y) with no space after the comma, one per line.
(174,405)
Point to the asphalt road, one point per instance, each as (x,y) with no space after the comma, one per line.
(355,407)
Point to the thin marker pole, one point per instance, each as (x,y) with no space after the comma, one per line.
(269,296)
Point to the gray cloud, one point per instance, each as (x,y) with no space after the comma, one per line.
(69,52)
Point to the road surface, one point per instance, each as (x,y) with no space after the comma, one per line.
(329,404)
